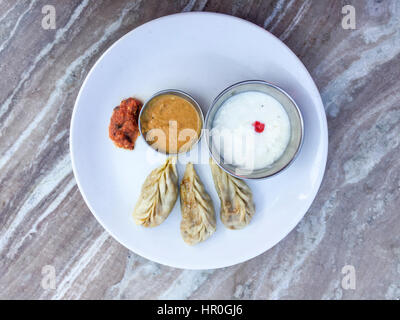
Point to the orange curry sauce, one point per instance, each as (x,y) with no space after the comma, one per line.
(170,123)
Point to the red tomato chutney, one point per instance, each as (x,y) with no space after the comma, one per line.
(124,129)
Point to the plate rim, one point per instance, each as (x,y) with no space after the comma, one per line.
(290,226)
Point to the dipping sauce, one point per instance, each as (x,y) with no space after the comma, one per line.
(251,130)
(123,129)
(170,123)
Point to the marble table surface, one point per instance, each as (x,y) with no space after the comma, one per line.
(46,228)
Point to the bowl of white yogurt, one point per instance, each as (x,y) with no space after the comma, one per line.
(254,129)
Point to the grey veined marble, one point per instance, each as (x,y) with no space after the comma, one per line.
(353,221)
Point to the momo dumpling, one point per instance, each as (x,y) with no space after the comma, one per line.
(237,207)
(198,215)
(158,195)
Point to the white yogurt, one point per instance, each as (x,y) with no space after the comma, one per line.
(234,133)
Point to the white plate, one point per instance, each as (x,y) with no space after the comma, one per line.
(200,53)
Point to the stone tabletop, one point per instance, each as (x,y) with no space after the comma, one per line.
(346,247)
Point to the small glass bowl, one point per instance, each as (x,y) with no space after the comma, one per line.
(296,126)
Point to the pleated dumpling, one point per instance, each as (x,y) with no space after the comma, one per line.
(158,195)
(237,207)
(198,215)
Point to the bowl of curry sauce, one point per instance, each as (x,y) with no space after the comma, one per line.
(171,121)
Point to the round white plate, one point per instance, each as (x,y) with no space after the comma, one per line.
(200,53)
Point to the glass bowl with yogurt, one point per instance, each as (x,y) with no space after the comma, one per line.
(254,129)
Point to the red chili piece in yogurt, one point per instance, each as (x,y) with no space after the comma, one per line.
(258,126)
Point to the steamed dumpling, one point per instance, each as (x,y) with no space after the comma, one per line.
(158,195)
(198,215)
(237,207)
